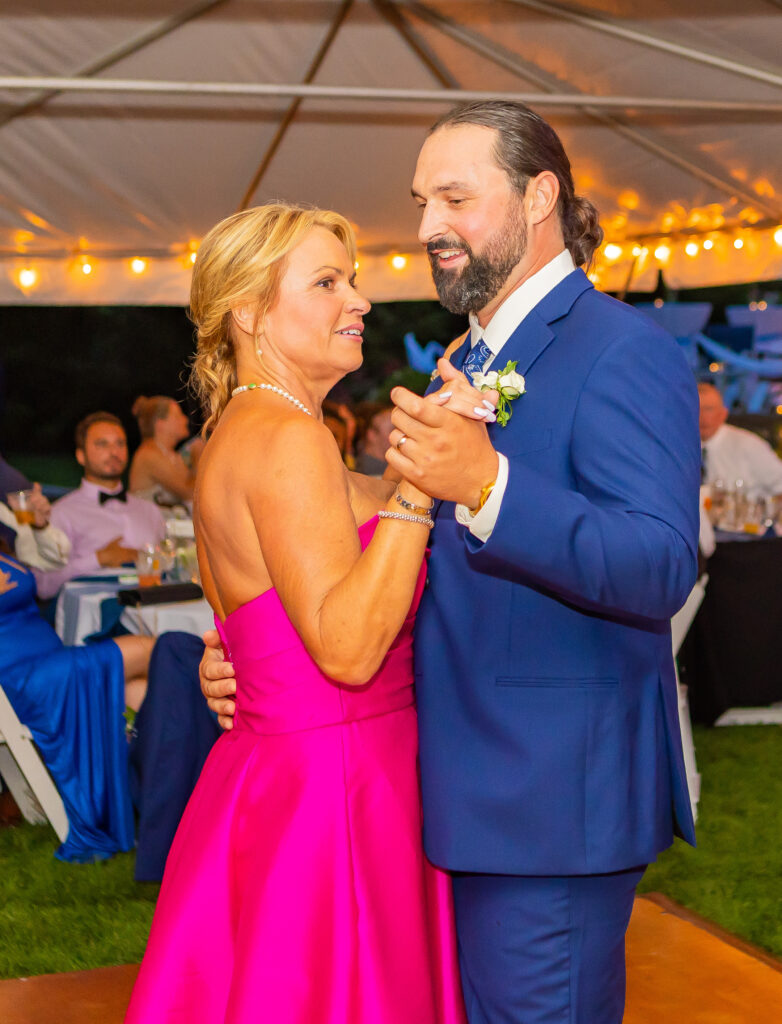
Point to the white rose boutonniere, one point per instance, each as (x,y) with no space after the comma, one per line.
(507,383)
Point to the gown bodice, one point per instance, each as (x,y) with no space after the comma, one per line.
(22,630)
(279,686)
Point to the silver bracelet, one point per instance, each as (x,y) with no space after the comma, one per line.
(408,506)
(426,521)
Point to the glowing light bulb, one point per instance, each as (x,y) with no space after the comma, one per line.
(612,251)
(691,248)
(356,265)
(399,262)
(192,256)
(738,243)
(662,252)
(138,266)
(708,244)
(86,267)
(778,236)
(27,277)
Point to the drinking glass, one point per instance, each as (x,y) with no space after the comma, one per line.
(19,501)
(148,566)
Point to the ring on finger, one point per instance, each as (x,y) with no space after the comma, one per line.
(400,442)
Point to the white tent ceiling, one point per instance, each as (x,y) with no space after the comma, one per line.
(671,113)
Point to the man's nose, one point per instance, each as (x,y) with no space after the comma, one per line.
(432,224)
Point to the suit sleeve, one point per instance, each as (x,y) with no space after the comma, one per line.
(623,537)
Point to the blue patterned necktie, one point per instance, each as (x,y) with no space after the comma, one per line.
(476,359)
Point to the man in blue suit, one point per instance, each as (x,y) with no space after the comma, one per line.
(564,542)
(551,758)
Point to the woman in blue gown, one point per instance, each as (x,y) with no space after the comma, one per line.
(72,699)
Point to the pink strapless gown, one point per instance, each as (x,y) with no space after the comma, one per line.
(296,890)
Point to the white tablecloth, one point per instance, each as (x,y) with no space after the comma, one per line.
(78,613)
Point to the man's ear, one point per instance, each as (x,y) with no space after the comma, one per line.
(541,197)
(80,456)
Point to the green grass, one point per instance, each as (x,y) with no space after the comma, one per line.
(734,877)
(65,917)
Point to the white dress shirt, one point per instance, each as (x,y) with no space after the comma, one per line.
(90,526)
(733,454)
(494,335)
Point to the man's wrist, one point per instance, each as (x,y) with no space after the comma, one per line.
(485,492)
(483,486)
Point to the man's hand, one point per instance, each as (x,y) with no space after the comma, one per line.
(114,554)
(217,680)
(445,454)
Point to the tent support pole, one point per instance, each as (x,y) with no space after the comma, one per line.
(390,12)
(605,25)
(511,62)
(295,103)
(131,46)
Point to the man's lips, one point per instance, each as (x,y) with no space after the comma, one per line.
(447,257)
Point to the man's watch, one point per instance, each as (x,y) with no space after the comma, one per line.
(485,492)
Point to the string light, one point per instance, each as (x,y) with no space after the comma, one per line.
(738,243)
(612,251)
(708,244)
(691,248)
(356,265)
(637,250)
(138,265)
(27,277)
(778,236)
(86,266)
(662,252)
(399,262)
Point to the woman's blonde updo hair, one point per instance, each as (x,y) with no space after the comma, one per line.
(241,259)
(149,410)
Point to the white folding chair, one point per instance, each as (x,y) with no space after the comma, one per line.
(680,625)
(26,775)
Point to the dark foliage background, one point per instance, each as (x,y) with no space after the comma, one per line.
(59,363)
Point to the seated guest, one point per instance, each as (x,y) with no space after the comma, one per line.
(731,454)
(157,471)
(71,698)
(104,524)
(375,425)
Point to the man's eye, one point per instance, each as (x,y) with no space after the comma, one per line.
(455,202)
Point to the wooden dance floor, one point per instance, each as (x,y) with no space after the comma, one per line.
(680,969)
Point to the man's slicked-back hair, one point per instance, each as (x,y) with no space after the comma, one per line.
(80,433)
(526,146)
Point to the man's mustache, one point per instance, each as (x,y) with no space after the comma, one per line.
(447,243)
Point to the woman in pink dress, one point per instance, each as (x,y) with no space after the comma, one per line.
(296,890)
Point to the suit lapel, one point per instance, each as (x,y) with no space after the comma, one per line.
(534,334)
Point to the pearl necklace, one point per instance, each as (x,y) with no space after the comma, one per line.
(276,390)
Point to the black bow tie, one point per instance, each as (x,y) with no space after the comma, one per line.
(104,496)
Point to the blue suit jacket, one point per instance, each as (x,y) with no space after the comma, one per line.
(546,692)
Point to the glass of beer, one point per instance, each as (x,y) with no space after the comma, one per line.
(19,501)
(148,566)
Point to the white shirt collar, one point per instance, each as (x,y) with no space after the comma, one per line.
(520,302)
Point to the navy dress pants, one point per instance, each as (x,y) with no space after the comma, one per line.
(544,950)
(175,731)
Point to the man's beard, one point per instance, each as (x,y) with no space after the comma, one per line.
(483,276)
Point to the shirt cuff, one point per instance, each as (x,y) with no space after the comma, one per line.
(482,523)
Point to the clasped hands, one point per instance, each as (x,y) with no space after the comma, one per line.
(440,443)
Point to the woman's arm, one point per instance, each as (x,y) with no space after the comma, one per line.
(346,605)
